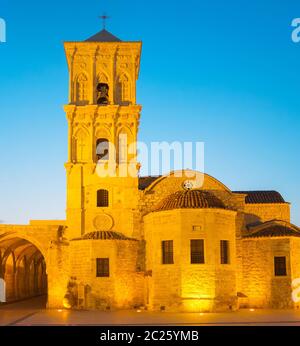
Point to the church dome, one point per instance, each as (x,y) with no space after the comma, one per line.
(190,199)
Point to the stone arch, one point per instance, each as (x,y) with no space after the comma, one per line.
(102,78)
(124,92)
(103,132)
(81,145)
(81,88)
(30,239)
(103,142)
(102,149)
(10,250)
(124,139)
(125,129)
(22,267)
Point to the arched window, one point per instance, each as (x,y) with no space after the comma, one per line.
(102,78)
(102,98)
(102,149)
(102,89)
(102,198)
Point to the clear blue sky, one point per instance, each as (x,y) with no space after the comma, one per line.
(223,72)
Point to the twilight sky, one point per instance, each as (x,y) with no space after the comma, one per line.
(223,72)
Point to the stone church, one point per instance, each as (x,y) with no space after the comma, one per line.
(158,243)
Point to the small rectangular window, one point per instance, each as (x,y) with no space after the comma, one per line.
(167,252)
(196,228)
(197,251)
(102,267)
(280,266)
(224,250)
(102,198)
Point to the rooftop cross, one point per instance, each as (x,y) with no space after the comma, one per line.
(104,17)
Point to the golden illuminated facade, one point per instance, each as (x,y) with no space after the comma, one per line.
(162,243)
(92,123)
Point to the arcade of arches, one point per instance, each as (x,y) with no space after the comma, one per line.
(23,268)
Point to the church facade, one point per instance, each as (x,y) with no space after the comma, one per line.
(159,243)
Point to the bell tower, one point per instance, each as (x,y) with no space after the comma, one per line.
(103,120)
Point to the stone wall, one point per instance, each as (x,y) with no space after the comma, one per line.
(266,212)
(124,288)
(295,269)
(58,269)
(183,286)
(262,288)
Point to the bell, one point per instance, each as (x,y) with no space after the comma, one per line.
(102,89)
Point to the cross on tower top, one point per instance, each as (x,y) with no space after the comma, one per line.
(104,18)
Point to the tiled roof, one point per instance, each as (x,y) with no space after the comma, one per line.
(255,197)
(103,36)
(252,197)
(190,199)
(275,230)
(144,182)
(104,235)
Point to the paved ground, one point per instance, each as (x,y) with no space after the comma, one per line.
(32,312)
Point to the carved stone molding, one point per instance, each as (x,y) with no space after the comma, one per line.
(103,222)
